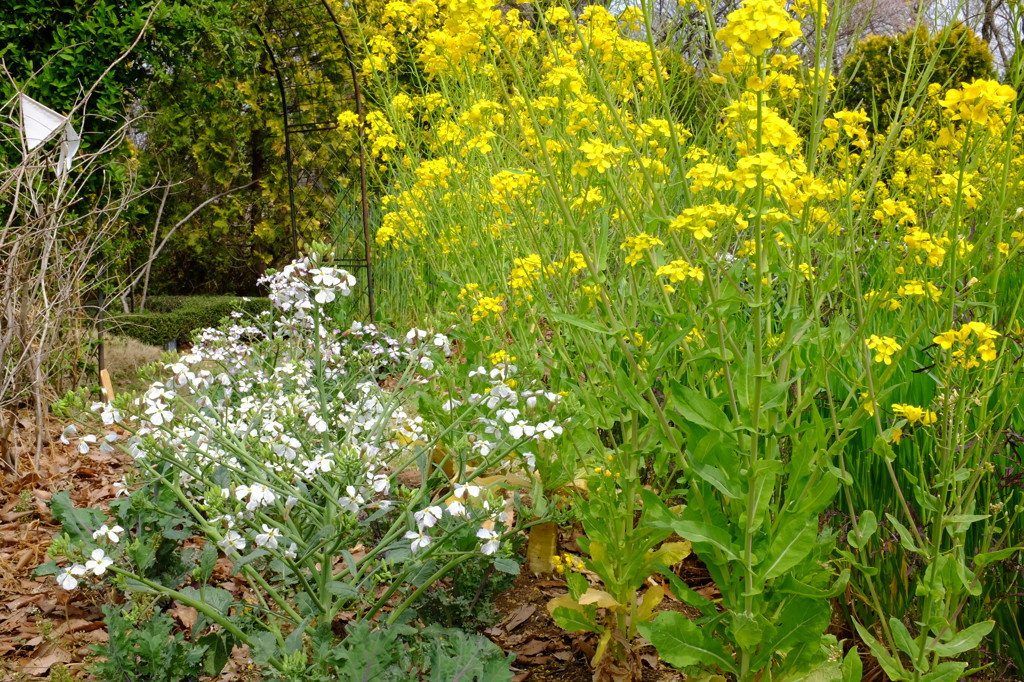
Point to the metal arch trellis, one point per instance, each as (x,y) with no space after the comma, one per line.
(314,66)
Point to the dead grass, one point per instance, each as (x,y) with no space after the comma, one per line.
(125,356)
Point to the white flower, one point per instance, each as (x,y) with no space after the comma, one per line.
(352,500)
(84,442)
(69,430)
(522,429)
(259,495)
(112,534)
(450,404)
(232,539)
(427,363)
(268,538)
(415,335)
(492,543)
(428,517)
(462,490)
(441,341)
(548,430)
(507,415)
(324,296)
(291,552)
(99,562)
(457,509)
(121,487)
(531,460)
(380,483)
(419,540)
(66,578)
(106,446)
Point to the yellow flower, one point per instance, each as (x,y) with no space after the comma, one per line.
(914,415)
(680,271)
(638,245)
(981,101)
(884,346)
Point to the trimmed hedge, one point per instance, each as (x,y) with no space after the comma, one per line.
(174,318)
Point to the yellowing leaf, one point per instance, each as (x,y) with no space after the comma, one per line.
(599,597)
(672,553)
(652,597)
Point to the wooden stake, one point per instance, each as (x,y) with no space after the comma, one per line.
(108,388)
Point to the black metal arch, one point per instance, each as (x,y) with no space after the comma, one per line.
(317,82)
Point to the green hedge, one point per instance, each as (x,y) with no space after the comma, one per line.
(174,318)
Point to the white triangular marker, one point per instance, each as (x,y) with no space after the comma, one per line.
(38,122)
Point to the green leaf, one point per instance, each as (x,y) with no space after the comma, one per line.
(792,544)
(945,672)
(801,620)
(682,643)
(572,620)
(697,409)
(790,584)
(207,561)
(293,642)
(506,565)
(892,667)
(79,524)
(963,641)
(218,651)
(981,560)
(342,590)
(901,635)
(906,539)
(579,322)
(263,647)
(745,630)
(868,524)
(853,668)
(699,532)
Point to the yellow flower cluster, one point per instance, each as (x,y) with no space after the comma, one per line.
(638,245)
(599,156)
(566,562)
(700,220)
(981,101)
(488,305)
(758,25)
(680,271)
(884,346)
(914,415)
(972,344)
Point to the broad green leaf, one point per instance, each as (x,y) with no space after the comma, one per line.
(342,590)
(801,620)
(718,478)
(746,631)
(681,642)
(853,668)
(698,532)
(901,635)
(791,545)
(698,409)
(868,524)
(963,641)
(572,620)
(945,672)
